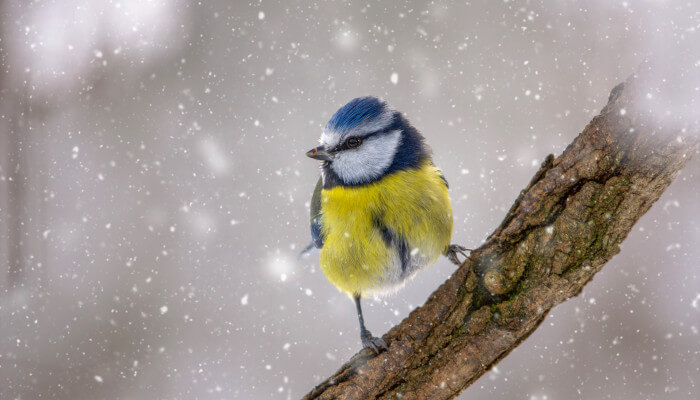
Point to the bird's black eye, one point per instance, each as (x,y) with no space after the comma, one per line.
(353,142)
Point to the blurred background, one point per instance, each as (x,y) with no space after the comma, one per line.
(154,192)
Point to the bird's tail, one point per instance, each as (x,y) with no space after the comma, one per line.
(307,250)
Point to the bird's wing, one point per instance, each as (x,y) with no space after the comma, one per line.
(316,233)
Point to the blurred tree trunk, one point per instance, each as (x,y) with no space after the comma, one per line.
(10,192)
(16,194)
(22,189)
(562,229)
(21,179)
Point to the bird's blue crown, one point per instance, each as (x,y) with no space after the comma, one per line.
(356,111)
(391,143)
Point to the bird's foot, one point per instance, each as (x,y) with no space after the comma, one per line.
(374,343)
(452,251)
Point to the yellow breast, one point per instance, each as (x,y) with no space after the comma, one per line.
(414,204)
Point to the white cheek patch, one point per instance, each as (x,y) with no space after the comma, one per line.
(369,161)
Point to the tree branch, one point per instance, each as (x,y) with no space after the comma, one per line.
(565,225)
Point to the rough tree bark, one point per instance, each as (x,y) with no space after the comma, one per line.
(561,230)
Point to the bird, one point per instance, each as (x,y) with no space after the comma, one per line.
(380,211)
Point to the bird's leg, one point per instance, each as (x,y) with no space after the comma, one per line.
(374,343)
(452,251)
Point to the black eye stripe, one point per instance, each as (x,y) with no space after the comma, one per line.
(343,145)
(346,144)
(369,135)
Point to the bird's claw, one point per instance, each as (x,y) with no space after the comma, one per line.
(374,343)
(452,251)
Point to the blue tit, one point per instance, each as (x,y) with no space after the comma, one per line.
(380,211)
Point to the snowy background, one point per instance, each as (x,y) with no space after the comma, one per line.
(154,193)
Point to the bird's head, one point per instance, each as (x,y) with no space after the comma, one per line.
(366,140)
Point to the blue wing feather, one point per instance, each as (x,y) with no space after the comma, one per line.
(316,234)
(316,228)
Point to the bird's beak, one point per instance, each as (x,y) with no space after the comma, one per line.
(319,153)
